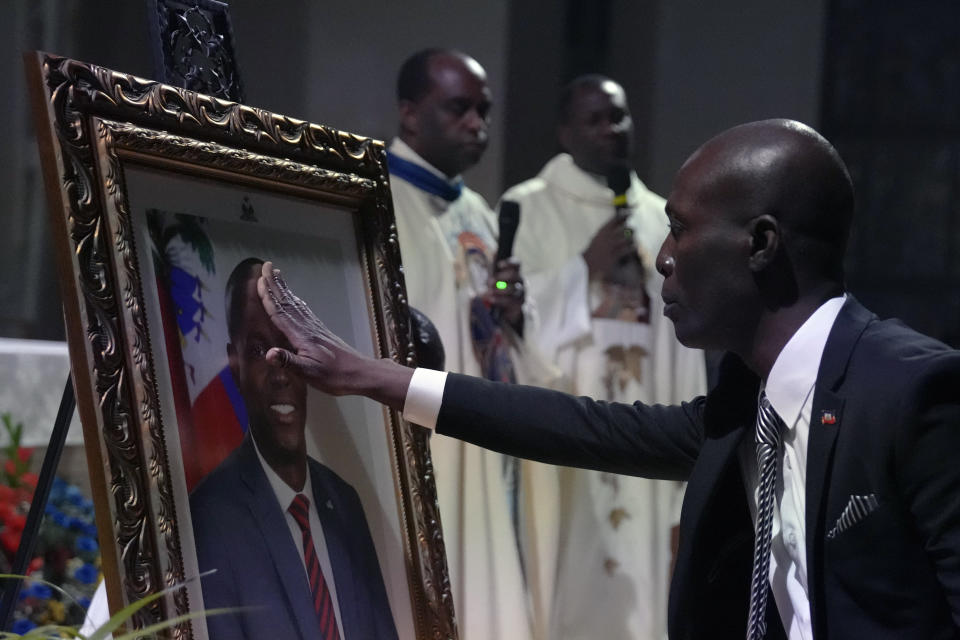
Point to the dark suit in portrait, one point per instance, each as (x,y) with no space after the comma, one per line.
(240,531)
(884,429)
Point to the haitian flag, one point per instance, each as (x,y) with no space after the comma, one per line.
(211,416)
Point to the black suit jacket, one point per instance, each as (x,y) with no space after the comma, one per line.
(885,422)
(240,530)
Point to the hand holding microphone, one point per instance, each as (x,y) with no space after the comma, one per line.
(613,244)
(628,269)
(619,182)
(506,291)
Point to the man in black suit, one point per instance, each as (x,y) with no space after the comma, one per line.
(287,536)
(864,513)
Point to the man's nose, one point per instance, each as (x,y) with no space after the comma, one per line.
(279,376)
(665,262)
(476,122)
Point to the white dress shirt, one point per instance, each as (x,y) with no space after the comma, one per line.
(285,495)
(789,387)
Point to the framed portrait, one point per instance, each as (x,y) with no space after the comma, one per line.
(213,471)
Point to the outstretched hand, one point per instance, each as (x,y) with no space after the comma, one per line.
(324,360)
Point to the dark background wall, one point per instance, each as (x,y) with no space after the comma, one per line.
(892,107)
(878,78)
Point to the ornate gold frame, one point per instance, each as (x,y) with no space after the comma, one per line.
(92,120)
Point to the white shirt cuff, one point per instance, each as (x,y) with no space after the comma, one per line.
(424,396)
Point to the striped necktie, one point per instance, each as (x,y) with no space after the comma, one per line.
(322,603)
(768,450)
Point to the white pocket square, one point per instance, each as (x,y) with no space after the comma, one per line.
(858,508)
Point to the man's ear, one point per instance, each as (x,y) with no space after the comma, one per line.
(764,241)
(409,117)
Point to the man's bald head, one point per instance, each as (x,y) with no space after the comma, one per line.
(759,218)
(784,169)
(413,80)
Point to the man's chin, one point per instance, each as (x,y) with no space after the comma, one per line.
(686,337)
(284,440)
(471,156)
(289,453)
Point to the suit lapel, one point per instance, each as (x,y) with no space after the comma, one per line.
(337,539)
(271,521)
(826,418)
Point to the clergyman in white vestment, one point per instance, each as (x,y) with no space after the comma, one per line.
(598,547)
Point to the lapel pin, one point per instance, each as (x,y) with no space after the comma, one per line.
(329,504)
(828,417)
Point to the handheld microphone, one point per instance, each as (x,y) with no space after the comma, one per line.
(629,269)
(619,181)
(509,220)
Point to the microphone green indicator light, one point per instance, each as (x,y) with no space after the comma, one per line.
(501,284)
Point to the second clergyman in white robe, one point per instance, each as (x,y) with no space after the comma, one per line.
(598,549)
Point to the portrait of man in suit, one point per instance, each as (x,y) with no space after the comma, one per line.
(286,536)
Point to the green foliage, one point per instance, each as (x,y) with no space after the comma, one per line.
(16,458)
(188,228)
(192,234)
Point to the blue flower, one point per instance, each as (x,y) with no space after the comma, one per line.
(84,602)
(22,626)
(87,574)
(60,519)
(85,543)
(40,591)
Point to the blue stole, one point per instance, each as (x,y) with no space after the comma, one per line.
(423,179)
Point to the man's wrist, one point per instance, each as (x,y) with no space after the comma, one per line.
(382,380)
